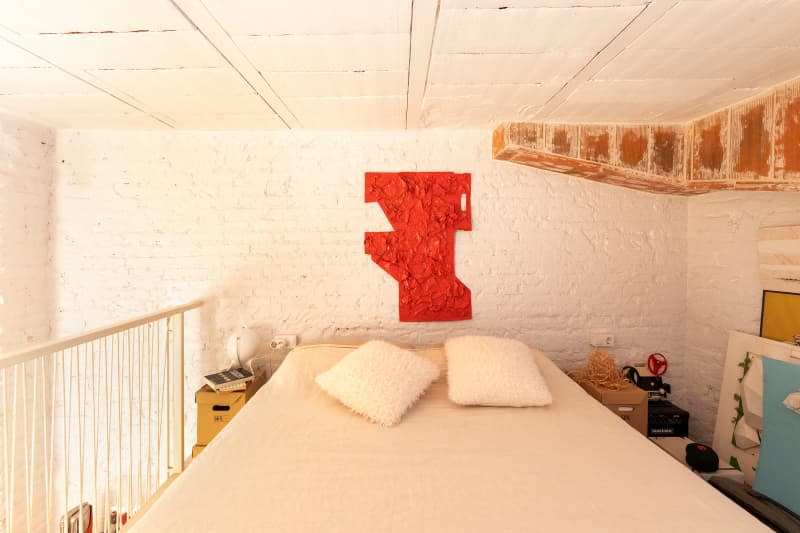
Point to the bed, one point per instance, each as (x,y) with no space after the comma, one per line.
(295,459)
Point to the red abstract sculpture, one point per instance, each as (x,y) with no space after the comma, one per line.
(425,210)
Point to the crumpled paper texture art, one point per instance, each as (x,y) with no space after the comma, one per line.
(425,210)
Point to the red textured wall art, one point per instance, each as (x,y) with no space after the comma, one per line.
(425,210)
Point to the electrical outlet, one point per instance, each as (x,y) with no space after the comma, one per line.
(601,339)
(283,341)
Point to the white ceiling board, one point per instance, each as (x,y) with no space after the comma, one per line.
(500,95)
(486,31)
(102,121)
(548,67)
(744,64)
(52,104)
(643,111)
(68,16)
(387,64)
(726,24)
(571,111)
(267,17)
(208,82)
(506,4)
(383,113)
(173,49)
(47,80)
(174,105)
(647,16)
(248,121)
(221,40)
(657,91)
(13,56)
(425,15)
(472,112)
(367,83)
(326,53)
(685,111)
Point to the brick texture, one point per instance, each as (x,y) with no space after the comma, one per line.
(723,285)
(271,228)
(26,276)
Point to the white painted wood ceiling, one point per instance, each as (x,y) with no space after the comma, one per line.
(386,64)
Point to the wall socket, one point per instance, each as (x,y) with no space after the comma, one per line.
(601,339)
(283,341)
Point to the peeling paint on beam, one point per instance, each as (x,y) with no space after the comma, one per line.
(600,148)
(750,146)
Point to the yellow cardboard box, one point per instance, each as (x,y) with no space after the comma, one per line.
(216,409)
(196,449)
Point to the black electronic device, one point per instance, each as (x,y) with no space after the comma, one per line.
(664,419)
(656,389)
(701,457)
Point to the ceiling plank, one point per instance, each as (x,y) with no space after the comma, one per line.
(33,48)
(641,23)
(424,14)
(197,13)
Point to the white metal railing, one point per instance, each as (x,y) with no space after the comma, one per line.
(92,422)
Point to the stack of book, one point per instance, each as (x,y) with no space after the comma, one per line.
(235,379)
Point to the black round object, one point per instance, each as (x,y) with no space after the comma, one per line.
(701,457)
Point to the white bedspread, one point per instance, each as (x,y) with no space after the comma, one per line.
(296,460)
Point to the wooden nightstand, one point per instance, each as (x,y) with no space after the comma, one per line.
(216,409)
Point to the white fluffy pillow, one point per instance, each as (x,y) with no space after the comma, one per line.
(379,380)
(494,371)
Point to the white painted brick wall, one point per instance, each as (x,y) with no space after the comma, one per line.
(26,276)
(26,273)
(270,227)
(723,285)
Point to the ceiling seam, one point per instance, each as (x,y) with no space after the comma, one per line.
(410,51)
(425,18)
(120,96)
(648,16)
(285,114)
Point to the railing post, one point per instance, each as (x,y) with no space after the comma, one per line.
(175,412)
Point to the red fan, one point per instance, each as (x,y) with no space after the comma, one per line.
(657,364)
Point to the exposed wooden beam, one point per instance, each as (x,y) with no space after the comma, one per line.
(640,24)
(199,15)
(31,47)
(424,14)
(750,146)
(628,156)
